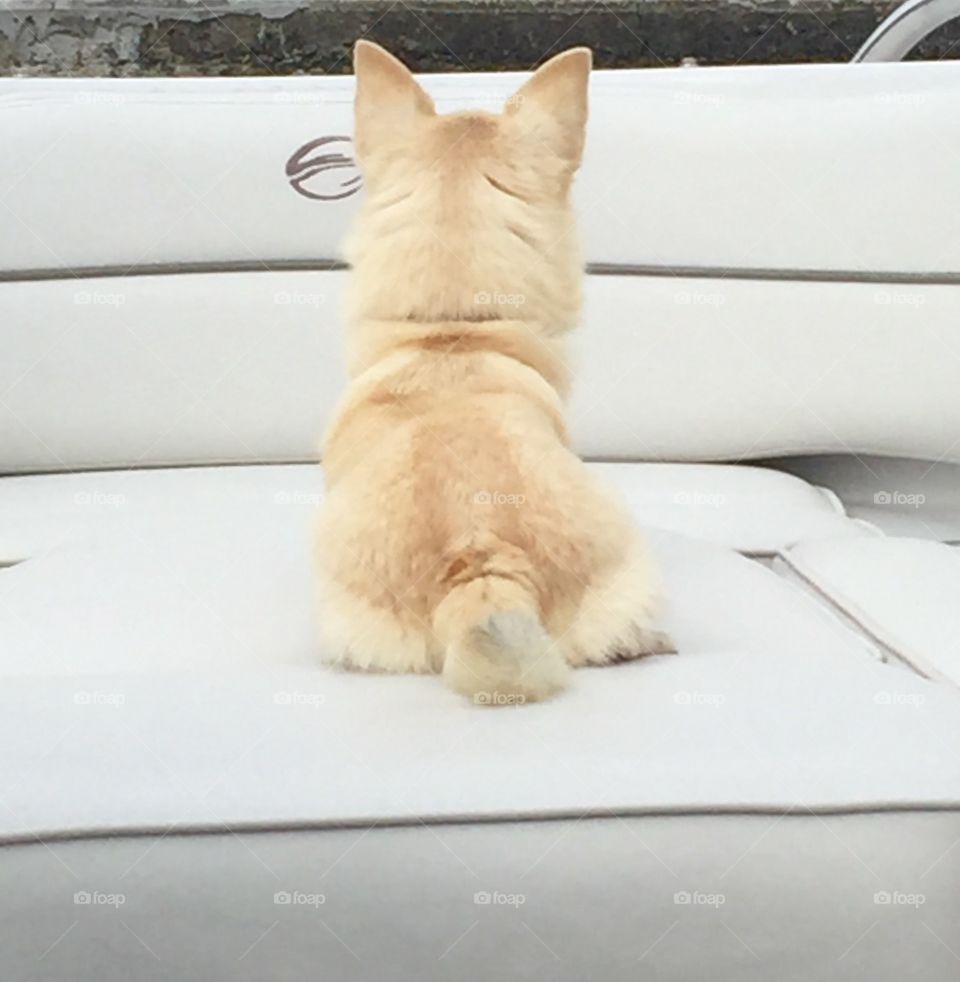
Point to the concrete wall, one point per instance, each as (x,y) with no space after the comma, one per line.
(251,37)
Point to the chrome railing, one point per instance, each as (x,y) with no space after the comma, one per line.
(905,28)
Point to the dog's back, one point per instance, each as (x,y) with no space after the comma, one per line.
(461,534)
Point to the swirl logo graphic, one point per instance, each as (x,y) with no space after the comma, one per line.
(316,170)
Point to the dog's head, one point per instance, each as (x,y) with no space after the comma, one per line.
(467,215)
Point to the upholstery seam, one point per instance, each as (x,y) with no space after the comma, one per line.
(682,271)
(923,669)
(730,458)
(497,818)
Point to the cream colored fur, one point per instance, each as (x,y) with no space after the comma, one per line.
(460,533)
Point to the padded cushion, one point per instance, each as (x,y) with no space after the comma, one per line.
(914,498)
(798,161)
(785,337)
(704,732)
(247,367)
(753,510)
(168,734)
(904,592)
(225,612)
(703,898)
(172,740)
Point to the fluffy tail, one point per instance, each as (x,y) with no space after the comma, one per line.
(498,652)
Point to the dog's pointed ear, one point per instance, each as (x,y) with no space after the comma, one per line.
(389,100)
(553,103)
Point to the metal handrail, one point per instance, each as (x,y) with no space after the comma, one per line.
(905,28)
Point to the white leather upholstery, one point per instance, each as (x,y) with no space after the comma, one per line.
(732,619)
(247,367)
(171,731)
(756,511)
(740,173)
(809,167)
(490,894)
(168,735)
(904,592)
(915,498)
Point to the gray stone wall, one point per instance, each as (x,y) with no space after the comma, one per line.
(257,37)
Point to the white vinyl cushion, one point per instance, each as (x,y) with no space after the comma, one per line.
(167,728)
(799,167)
(178,650)
(171,738)
(707,731)
(904,592)
(202,368)
(918,499)
(699,896)
(750,509)
(700,176)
